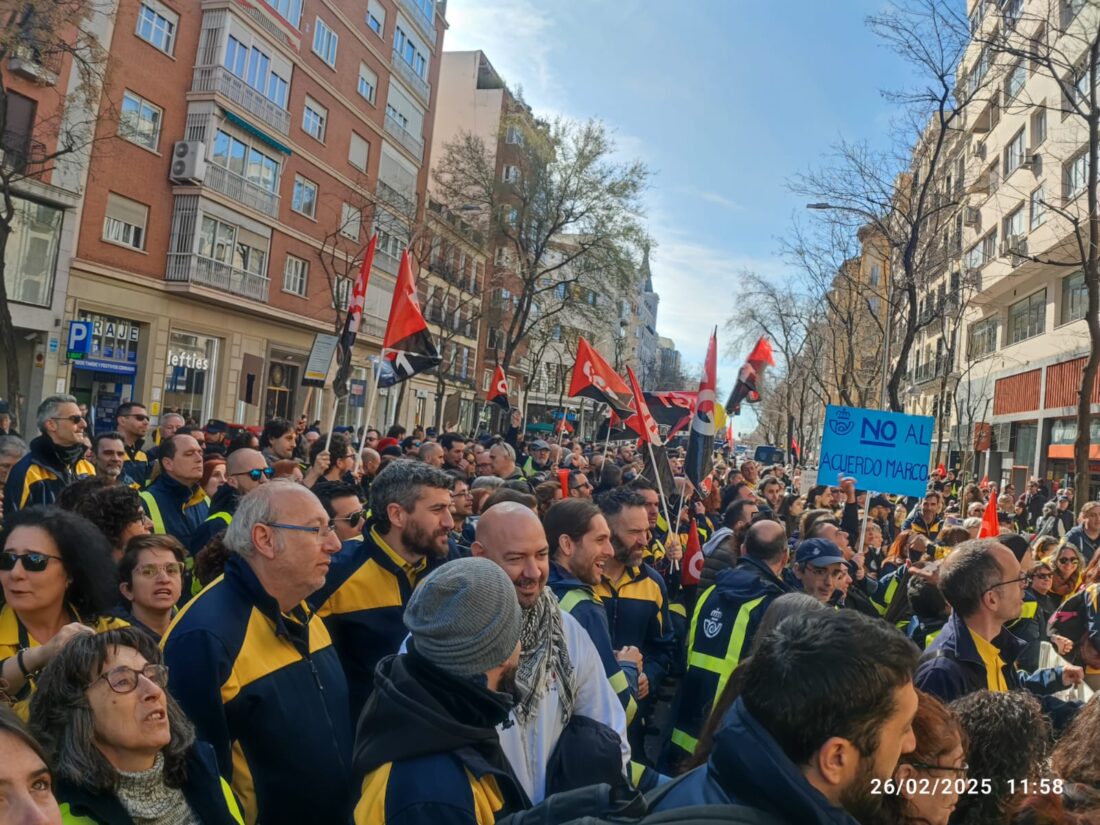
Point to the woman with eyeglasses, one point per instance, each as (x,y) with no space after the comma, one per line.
(150,579)
(122,750)
(1069,568)
(118,514)
(929,777)
(58,583)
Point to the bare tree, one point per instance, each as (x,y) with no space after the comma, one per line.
(46,38)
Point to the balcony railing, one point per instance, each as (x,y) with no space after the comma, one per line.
(372,326)
(241,190)
(386,262)
(222,81)
(192,268)
(34,64)
(407,74)
(416,14)
(21,154)
(393,197)
(407,138)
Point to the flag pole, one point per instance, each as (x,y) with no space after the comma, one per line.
(332,423)
(660,486)
(373,387)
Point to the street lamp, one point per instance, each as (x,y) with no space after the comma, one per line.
(888,330)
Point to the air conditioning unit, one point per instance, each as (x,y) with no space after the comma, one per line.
(188,162)
(972,216)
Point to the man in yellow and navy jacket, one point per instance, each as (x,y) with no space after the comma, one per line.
(633,593)
(255,670)
(245,470)
(580,544)
(133,423)
(723,626)
(175,502)
(371,581)
(427,748)
(56,456)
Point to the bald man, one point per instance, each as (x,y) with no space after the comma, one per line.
(561,680)
(432,454)
(245,470)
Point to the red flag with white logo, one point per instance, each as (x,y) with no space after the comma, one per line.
(498,389)
(642,422)
(692,568)
(593,378)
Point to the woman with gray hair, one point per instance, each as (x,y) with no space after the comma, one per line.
(1050,523)
(122,751)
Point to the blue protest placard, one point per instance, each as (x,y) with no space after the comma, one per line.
(885,452)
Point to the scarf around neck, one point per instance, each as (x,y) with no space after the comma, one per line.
(545,657)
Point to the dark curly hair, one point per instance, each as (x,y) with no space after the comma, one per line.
(93,585)
(1009,740)
(62,719)
(72,496)
(112,510)
(210,561)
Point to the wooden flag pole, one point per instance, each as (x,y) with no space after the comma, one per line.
(660,487)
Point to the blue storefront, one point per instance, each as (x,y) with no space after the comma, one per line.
(105,377)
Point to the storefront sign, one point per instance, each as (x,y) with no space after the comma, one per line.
(320,359)
(189,360)
(79,343)
(884,452)
(100,365)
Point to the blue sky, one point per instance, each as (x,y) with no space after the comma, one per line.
(724,99)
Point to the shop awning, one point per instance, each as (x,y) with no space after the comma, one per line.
(258,133)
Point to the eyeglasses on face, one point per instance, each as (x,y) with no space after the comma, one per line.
(1070,560)
(137,417)
(353,519)
(585,486)
(1022,581)
(322,532)
(72,419)
(1042,575)
(255,475)
(32,562)
(151,571)
(124,679)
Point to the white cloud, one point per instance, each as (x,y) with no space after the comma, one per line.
(713,197)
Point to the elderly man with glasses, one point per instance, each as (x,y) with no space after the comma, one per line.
(56,458)
(249,648)
(984,584)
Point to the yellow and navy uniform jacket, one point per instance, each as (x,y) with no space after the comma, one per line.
(1030,628)
(922,632)
(362,603)
(39,476)
(722,628)
(174,508)
(266,690)
(222,507)
(579,601)
(14,637)
(208,796)
(137,466)
(885,590)
(918,525)
(427,749)
(637,614)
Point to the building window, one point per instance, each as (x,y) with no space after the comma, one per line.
(407,48)
(1038,208)
(291,10)
(358,152)
(1027,318)
(342,292)
(1014,153)
(241,159)
(1014,225)
(325,41)
(1075,297)
(1074,177)
(1038,128)
(513,136)
(376,17)
(295,274)
(139,121)
(313,119)
(125,222)
(30,256)
(1014,83)
(351,221)
(253,66)
(983,338)
(156,24)
(510,174)
(368,83)
(304,198)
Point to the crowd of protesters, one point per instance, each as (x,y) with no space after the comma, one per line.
(199,626)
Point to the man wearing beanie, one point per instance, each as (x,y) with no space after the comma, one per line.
(427,747)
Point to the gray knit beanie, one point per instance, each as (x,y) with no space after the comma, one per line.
(465,617)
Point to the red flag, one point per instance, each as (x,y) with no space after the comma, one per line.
(700,451)
(750,377)
(593,378)
(352,320)
(671,408)
(693,557)
(796,452)
(991,522)
(563,426)
(985,482)
(498,389)
(643,424)
(408,348)
(563,480)
(941,471)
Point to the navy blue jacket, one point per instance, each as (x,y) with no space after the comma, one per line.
(175,509)
(223,504)
(39,476)
(748,768)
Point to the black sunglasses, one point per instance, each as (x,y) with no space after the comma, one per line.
(138,417)
(267,472)
(353,519)
(32,562)
(72,419)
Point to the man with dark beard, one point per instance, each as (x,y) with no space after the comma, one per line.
(778,753)
(560,679)
(370,582)
(427,749)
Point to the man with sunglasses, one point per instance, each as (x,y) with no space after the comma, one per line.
(343,505)
(56,457)
(133,423)
(245,470)
(984,584)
